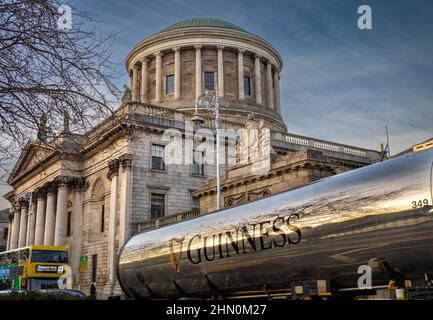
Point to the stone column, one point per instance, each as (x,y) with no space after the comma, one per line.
(11,214)
(15,226)
(241,74)
(113,167)
(134,89)
(32,222)
(177,73)
(62,204)
(258,78)
(277,91)
(143,89)
(158,74)
(50,216)
(77,229)
(270,91)
(220,71)
(125,198)
(197,70)
(23,223)
(40,219)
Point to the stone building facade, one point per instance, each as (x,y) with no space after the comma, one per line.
(240,186)
(92,192)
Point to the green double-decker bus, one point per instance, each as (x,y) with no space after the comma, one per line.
(10,276)
(32,268)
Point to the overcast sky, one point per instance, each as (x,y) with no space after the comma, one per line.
(338,83)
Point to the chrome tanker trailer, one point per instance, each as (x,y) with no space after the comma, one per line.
(377,220)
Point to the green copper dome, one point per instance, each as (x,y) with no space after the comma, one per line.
(202,22)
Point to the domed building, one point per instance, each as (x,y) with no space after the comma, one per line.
(171,68)
(92,192)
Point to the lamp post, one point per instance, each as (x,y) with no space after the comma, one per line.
(210,102)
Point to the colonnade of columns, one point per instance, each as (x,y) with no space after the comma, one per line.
(45,223)
(139,92)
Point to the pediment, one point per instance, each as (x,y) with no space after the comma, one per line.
(34,153)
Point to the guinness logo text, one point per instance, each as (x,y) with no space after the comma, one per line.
(264,235)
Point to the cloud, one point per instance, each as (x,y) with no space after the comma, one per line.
(338,82)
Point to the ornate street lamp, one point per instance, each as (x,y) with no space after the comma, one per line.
(210,102)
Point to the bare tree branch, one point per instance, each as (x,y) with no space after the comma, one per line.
(51,72)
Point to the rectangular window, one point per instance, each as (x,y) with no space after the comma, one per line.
(247,86)
(169,84)
(209,81)
(195,203)
(102,218)
(94,267)
(198,163)
(157,205)
(157,157)
(230,152)
(69,224)
(5,234)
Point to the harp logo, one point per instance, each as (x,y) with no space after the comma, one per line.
(175,246)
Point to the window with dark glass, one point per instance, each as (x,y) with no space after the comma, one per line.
(94,267)
(195,203)
(5,234)
(157,157)
(102,218)
(157,205)
(209,81)
(198,163)
(69,224)
(169,84)
(49,256)
(247,86)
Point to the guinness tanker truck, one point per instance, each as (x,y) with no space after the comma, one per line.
(349,234)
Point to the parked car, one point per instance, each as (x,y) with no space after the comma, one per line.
(66,293)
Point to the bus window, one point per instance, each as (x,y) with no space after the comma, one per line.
(49,256)
(23,256)
(42,284)
(14,257)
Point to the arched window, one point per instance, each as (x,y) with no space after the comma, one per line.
(98,190)
(98,197)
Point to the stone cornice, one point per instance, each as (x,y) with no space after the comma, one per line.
(105,136)
(10,196)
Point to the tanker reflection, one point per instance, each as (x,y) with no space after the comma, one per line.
(324,230)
